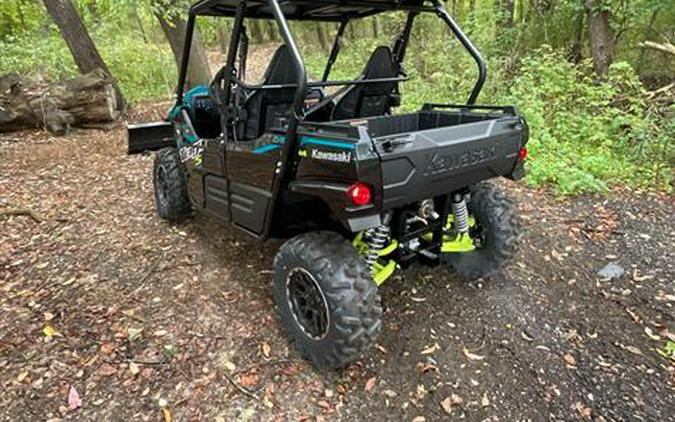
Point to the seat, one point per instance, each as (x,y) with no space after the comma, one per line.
(371,99)
(265,106)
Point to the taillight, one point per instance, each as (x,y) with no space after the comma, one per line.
(360,194)
(522,155)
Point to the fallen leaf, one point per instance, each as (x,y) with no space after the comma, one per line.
(569,359)
(370,384)
(634,350)
(133,368)
(426,367)
(450,402)
(49,331)
(431,349)
(107,348)
(651,334)
(485,402)
(74,400)
(134,333)
(633,315)
(160,333)
(249,380)
(22,376)
(380,348)
(584,410)
(472,356)
(419,419)
(107,370)
(168,417)
(324,404)
(266,349)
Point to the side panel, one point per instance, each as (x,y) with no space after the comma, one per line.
(249,206)
(251,170)
(217,202)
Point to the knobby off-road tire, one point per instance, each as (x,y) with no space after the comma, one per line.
(496,216)
(171,191)
(331,267)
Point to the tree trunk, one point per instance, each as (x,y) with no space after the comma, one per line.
(509,12)
(175,28)
(323,43)
(223,40)
(83,49)
(601,36)
(82,101)
(575,52)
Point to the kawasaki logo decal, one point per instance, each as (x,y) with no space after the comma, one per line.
(340,157)
(442,163)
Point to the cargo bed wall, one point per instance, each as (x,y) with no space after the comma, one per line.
(426,163)
(405,123)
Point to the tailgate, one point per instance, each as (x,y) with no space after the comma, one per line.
(424,164)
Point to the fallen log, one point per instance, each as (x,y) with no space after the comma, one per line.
(84,100)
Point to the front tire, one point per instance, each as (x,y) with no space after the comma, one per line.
(327,301)
(171,186)
(498,232)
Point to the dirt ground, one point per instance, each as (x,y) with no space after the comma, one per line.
(148,321)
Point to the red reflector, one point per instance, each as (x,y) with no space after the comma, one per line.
(359,193)
(522,155)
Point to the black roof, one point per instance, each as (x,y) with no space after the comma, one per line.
(314,10)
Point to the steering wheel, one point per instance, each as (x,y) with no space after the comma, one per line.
(215,88)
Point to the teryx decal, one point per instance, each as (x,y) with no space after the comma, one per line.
(193,152)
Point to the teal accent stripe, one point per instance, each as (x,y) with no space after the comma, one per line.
(266,148)
(325,143)
(305,141)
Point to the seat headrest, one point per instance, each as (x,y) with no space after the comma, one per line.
(381,64)
(281,69)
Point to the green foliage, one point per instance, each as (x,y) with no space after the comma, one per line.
(588,135)
(144,71)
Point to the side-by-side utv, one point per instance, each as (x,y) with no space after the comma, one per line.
(360,190)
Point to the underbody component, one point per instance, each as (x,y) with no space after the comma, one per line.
(375,245)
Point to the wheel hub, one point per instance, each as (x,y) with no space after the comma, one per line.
(308,303)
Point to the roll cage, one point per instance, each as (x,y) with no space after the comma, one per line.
(341,11)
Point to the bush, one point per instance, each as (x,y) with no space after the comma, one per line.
(587,136)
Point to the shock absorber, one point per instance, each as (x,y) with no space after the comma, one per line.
(461,213)
(377,239)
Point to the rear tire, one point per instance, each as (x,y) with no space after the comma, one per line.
(327,301)
(496,215)
(171,187)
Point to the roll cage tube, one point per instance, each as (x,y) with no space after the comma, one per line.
(289,148)
(442,13)
(438,8)
(337,45)
(182,76)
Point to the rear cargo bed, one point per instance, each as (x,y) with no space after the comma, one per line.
(433,152)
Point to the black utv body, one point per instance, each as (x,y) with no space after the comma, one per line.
(360,190)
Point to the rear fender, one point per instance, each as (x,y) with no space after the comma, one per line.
(334,195)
